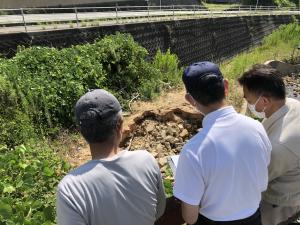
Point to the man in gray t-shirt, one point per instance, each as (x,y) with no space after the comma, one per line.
(116,187)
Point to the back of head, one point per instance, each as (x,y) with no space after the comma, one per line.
(204,82)
(264,80)
(97,114)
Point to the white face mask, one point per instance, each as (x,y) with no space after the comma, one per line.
(260,115)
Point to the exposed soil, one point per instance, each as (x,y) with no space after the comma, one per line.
(157,114)
(293,86)
(161,126)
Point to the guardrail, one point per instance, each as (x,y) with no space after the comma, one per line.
(35,19)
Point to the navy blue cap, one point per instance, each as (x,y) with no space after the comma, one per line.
(96,105)
(201,69)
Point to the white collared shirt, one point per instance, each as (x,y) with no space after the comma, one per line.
(223,168)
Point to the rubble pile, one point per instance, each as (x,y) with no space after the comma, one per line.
(293,85)
(162,135)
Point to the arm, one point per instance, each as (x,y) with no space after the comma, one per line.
(282,161)
(161,197)
(189,186)
(189,212)
(66,212)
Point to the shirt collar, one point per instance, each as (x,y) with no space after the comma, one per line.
(268,122)
(211,117)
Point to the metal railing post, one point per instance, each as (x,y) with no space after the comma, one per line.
(23,17)
(76,14)
(117,20)
(173,12)
(148,13)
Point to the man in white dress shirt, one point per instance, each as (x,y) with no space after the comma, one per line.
(222,170)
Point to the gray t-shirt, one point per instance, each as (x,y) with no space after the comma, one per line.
(125,190)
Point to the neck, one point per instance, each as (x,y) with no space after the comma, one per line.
(275,106)
(104,150)
(215,106)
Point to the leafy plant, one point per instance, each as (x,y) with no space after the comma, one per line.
(168,65)
(47,82)
(15,125)
(29,177)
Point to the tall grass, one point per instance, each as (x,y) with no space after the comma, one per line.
(277,46)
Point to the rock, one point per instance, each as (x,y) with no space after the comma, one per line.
(169,138)
(188,126)
(176,140)
(159,148)
(162,161)
(154,154)
(168,146)
(163,134)
(150,127)
(171,131)
(180,126)
(164,168)
(184,133)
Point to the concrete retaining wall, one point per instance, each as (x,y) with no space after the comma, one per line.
(192,40)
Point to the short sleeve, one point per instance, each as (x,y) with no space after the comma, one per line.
(66,214)
(189,184)
(161,197)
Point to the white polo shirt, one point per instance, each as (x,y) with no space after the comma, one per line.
(224,168)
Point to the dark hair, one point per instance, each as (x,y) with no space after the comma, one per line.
(207,89)
(264,80)
(97,130)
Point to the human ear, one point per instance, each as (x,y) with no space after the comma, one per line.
(120,126)
(226,86)
(265,100)
(190,99)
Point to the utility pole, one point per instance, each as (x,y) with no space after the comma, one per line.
(257,4)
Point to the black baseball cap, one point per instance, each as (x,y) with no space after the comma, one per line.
(96,105)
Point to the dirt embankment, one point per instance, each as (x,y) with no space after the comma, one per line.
(162,126)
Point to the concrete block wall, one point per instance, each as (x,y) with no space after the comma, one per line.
(192,40)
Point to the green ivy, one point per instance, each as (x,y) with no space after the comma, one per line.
(47,82)
(29,177)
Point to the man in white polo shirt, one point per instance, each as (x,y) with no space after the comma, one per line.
(264,90)
(222,170)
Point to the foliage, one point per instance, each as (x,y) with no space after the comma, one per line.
(271,2)
(29,177)
(167,64)
(15,125)
(168,183)
(47,82)
(279,45)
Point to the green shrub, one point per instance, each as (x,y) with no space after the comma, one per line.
(47,82)
(15,125)
(168,65)
(29,177)
(280,3)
